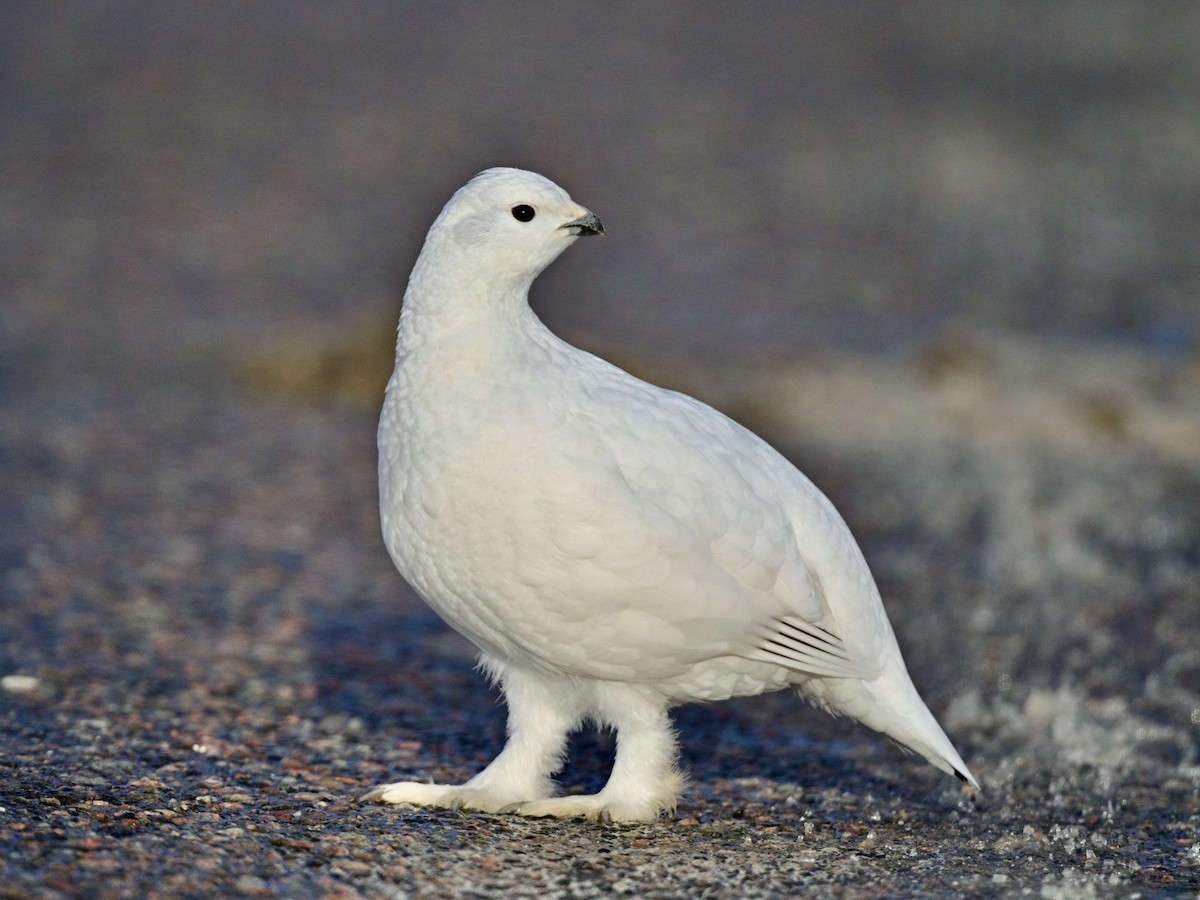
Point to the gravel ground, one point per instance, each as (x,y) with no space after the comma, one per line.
(943,255)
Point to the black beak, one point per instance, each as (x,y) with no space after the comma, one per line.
(585,225)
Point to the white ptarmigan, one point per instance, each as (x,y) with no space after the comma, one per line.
(614,549)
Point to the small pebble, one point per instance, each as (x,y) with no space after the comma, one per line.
(20,684)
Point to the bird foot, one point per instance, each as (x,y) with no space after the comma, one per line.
(594,807)
(445,796)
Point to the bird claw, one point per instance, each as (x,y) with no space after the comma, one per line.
(374,795)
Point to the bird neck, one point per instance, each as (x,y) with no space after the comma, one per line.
(450,303)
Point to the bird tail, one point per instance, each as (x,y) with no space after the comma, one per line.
(891,705)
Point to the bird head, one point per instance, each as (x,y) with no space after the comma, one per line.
(512,223)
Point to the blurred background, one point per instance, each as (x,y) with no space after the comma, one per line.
(945,255)
(775,177)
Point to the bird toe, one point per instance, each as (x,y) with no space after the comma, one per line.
(593,807)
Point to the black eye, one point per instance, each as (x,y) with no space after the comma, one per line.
(523,212)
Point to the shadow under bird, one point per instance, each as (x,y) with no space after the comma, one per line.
(612,548)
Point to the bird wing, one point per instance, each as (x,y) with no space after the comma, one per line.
(670,535)
(809,649)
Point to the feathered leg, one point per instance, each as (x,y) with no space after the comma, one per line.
(644,779)
(541,712)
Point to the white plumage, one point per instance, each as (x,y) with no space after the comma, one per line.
(612,548)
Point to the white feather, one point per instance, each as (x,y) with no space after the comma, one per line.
(613,548)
